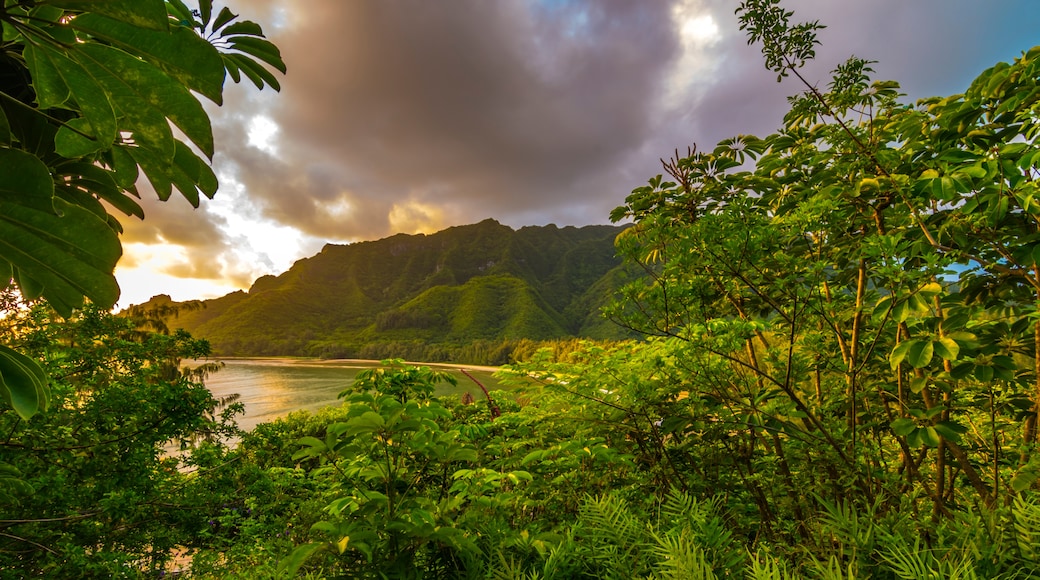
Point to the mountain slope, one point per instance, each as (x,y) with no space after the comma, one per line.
(484,281)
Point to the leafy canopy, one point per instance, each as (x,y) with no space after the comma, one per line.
(96,94)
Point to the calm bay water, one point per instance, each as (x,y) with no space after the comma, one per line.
(271,388)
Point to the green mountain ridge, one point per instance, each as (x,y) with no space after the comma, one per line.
(480,282)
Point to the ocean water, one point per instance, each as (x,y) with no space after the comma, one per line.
(274,387)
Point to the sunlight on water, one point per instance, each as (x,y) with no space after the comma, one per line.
(273,388)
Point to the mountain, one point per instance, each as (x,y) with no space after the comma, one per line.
(477,283)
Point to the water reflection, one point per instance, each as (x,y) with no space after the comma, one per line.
(273,388)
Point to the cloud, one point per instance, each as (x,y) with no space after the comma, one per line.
(409,115)
(484,109)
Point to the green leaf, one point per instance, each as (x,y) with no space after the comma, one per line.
(262,49)
(918,303)
(223,17)
(124,166)
(950,430)
(12,484)
(25,180)
(929,436)
(51,90)
(149,14)
(369,420)
(920,353)
(254,71)
(1023,480)
(930,290)
(180,12)
(917,384)
(536,455)
(964,339)
(983,373)
(899,353)
(74,140)
(186,173)
(243,27)
(923,436)
(180,52)
(71,255)
(963,370)
(523,475)
(975,171)
(900,311)
(102,183)
(29,288)
(77,196)
(146,96)
(23,384)
(232,68)
(205,11)
(292,563)
(947,348)
(903,426)
(87,96)
(311,442)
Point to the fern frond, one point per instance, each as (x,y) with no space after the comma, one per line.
(833,570)
(762,566)
(683,514)
(680,558)
(1025,514)
(608,520)
(917,563)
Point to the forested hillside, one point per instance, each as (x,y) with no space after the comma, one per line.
(399,295)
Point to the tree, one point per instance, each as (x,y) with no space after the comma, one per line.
(90,90)
(856,292)
(97,480)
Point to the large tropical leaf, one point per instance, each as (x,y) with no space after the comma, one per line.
(149,14)
(58,79)
(179,52)
(66,249)
(23,384)
(146,96)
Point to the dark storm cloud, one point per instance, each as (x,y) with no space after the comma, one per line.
(495,107)
(404,113)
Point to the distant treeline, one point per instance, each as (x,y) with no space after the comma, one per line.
(479,352)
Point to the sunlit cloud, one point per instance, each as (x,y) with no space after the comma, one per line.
(694,71)
(263,133)
(412,217)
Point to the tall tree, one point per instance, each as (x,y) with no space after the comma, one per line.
(873,260)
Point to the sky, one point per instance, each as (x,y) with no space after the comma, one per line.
(410,116)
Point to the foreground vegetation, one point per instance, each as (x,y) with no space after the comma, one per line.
(841,379)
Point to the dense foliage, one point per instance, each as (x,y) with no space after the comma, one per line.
(577,478)
(90,94)
(423,297)
(93,488)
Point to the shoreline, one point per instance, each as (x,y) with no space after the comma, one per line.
(340,361)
